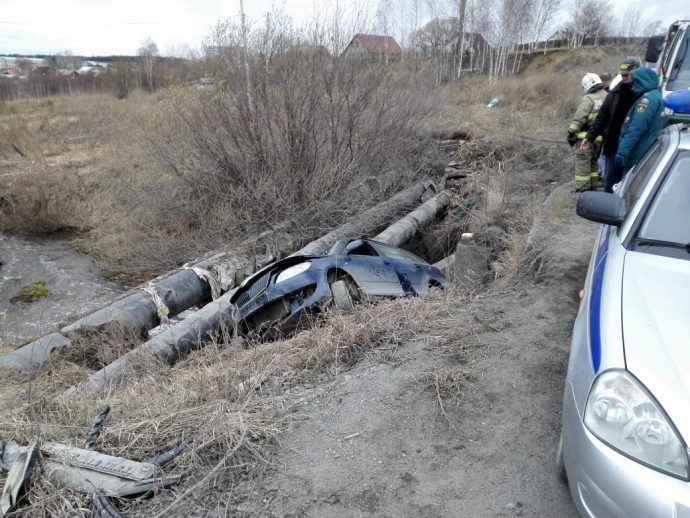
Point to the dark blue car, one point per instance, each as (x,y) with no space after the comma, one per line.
(278,295)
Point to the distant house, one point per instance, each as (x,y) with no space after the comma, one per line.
(11,73)
(559,35)
(441,34)
(42,70)
(440,37)
(372,46)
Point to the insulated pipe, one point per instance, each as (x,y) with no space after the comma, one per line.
(404,229)
(138,312)
(173,343)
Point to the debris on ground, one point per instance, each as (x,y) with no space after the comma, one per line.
(84,470)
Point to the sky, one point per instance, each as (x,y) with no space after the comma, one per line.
(107,27)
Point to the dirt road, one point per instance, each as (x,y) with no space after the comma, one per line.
(462,421)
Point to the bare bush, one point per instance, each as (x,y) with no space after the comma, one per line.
(40,203)
(301,142)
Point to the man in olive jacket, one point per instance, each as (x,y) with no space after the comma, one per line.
(644,121)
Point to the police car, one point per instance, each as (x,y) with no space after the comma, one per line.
(626,408)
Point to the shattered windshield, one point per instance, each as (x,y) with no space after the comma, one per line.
(679,78)
(668,216)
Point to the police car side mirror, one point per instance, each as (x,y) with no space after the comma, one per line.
(654,46)
(601,207)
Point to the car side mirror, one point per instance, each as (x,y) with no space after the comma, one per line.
(601,207)
(654,46)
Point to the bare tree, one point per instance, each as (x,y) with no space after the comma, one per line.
(589,20)
(653,28)
(121,76)
(148,52)
(383,20)
(545,11)
(632,22)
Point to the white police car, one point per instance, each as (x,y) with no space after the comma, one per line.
(626,408)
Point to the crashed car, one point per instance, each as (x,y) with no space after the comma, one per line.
(626,419)
(280,294)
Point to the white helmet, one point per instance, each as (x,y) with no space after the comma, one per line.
(590,80)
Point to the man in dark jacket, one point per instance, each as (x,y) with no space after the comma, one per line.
(644,121)
(609,122)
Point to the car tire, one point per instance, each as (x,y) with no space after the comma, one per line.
(343,291)
(434,290)
(560,461)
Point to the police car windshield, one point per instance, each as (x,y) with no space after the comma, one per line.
(679,78)
(668,216)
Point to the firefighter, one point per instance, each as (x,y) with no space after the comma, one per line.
(586,166)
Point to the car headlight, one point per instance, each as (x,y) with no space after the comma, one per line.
(625,416)
(289,273)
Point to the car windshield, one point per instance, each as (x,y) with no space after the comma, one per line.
(668,216)
(680,73)
(396,253)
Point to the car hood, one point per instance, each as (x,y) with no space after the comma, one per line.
(280,264)
(656,330)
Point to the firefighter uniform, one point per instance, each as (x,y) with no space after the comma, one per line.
(586,166)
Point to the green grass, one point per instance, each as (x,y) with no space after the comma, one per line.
(32,292)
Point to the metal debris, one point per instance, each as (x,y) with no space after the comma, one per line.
(95,429)
(85,471)
(23,463)
(102,507)
(169,456)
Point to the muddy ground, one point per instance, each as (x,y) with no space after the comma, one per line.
(460,421)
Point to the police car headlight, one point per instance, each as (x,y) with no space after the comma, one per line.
(625,416)
(289,273)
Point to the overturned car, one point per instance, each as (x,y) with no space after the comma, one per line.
(277,297)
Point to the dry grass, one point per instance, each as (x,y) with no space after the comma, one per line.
(231,400)
(533,105)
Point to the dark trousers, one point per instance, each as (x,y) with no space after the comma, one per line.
(614,174)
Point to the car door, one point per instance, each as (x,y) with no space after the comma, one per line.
(412,272)
(372,272)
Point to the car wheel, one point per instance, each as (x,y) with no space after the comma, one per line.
(344,294)
(560,462)
(434,290)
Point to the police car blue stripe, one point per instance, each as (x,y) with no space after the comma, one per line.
(595,299)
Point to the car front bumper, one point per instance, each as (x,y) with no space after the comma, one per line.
(605,483)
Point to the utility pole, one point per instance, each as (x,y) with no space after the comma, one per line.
(460,48)
(250,99)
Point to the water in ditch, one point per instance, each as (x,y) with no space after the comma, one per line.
(76,286)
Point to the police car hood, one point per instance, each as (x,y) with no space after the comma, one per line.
(656,330)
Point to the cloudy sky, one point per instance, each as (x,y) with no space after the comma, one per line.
(104,27)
